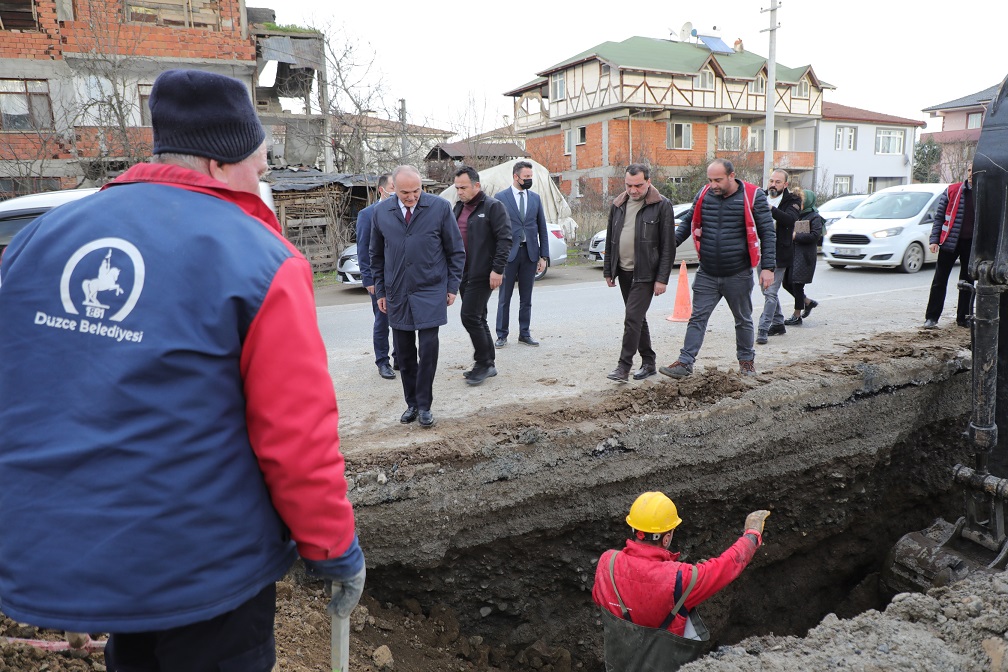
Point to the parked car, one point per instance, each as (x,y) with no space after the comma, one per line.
(348,271)
(685,252)
(889,229)
(18,212)
(839,207)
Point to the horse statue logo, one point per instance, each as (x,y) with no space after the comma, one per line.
(107,280)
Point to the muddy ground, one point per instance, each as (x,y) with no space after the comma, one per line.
(482,534)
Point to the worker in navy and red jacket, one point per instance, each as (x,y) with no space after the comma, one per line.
(952,238)
(169,424)
(643,583)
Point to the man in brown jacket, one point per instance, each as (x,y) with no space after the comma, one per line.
(639,253)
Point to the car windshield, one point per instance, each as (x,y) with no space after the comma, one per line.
(841,204)
(892,205)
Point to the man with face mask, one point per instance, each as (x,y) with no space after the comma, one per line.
(529,252)
(785,208)
(380,334)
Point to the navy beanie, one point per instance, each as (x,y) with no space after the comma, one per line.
(204,114)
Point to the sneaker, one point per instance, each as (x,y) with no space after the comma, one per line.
(812,303)
(761,337)
(746,367)
(793,320)
(677,369)
(776,330)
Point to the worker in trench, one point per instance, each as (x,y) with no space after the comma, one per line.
(649,598)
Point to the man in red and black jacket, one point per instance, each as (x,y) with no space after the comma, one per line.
(952,238)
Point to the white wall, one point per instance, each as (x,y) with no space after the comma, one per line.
(861,163)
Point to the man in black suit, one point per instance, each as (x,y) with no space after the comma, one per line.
(486,234)
(529,252)
(417,259)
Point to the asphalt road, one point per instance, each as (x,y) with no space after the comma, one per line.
(578,320)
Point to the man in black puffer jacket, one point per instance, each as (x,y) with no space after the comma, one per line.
(640,251)
(731,224)
(785,208)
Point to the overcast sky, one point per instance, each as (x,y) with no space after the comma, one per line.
(886,56)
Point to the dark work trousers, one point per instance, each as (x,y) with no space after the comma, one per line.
(240,640)
(380,334)
(523,270)
(636,335)
(417,365)
(947,259)
(708,290)
(475,297)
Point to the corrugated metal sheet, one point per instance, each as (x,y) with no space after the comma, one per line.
(301,52)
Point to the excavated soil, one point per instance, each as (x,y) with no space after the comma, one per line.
(482,536)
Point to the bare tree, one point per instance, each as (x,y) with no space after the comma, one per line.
(956,157)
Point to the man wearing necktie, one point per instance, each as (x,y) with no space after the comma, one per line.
(417,258)
(529,252)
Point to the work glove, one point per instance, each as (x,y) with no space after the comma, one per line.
(756,520)
(346,594)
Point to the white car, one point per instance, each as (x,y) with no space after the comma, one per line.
(890,229)
(349,272)
(18,212)
(839,207)
(685,252)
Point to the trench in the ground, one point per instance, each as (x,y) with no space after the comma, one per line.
(827,538)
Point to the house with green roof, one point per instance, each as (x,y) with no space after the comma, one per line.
(667,103)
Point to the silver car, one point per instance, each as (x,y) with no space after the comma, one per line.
(839,207)
(685,252)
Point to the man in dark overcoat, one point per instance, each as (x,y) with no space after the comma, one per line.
(417,258)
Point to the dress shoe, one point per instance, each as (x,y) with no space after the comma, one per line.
(500,342)
(479,374)
(645,371)
(426,419)
(794,320)
(761,337)
(395,365)
(809,305)
(528,340)
(962,322)
(776,330)
(930,324)
(410,415)
(386,372)
(677,369)
(619,374)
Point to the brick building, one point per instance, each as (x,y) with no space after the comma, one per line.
(75,76)
(670,104)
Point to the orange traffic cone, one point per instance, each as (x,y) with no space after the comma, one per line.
(683,304)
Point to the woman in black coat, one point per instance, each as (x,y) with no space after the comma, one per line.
(802,268)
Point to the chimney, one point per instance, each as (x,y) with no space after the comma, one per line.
(738,46)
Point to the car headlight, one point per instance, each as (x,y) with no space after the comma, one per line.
(889,233)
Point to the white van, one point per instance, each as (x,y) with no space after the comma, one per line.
(890,229)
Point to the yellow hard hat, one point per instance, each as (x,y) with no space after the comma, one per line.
(653,512)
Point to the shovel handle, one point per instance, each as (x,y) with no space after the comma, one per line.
(339,640)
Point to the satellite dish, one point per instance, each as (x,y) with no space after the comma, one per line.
(686,31)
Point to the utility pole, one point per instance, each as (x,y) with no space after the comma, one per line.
(402,122)
(771,91)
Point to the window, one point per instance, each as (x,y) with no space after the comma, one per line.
(842,184)
(568,141)
(145,116)
(679,136)
(18,15)
(846,138)
(24,105)
(729,137)
(605,70)
(974,120)
(203,14)
(757,139)
(801,89)
(704,80)
(888,141)
(557,91)
(22,186)
(581,135)
(758,85)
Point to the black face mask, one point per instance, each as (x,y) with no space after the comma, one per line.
(526,184)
